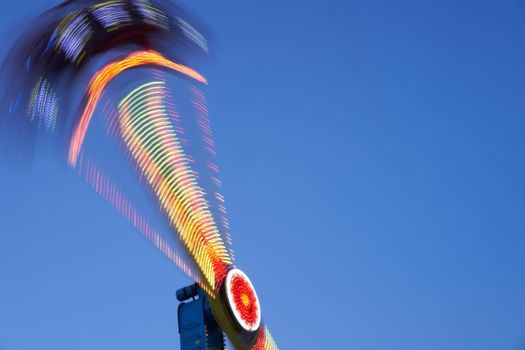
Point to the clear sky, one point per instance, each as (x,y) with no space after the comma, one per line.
(372,155)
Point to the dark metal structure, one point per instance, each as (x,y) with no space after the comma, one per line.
(198,328)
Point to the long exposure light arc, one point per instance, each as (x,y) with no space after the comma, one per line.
(110,192)
(55,54)
(154,146)
(102,78)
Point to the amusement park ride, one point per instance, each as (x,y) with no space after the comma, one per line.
(202,320)
(73,41)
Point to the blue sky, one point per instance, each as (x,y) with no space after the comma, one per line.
(372,155)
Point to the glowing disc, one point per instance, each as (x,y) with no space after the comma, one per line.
(243,300)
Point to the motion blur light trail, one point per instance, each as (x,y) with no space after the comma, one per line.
(199,102)
(154,145)
(265,341)
(43,105)
(109,191)
(86,45)
(104,76)
(91,76)
(67,44)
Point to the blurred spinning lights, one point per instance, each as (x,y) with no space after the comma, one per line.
(50,58)
(104,76)
(156,149)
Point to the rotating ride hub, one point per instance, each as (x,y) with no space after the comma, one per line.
(235,311)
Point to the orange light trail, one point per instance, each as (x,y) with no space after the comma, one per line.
(155,147)
(102,78)
(199,103)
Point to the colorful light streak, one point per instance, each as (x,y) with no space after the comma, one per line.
(178,124)
(109,192)
(265,341)
(72,34)
(199,103)
(151,15)
(193,34)
(156,149)
(59,50)
(104,76)
(112,14)
(43,105)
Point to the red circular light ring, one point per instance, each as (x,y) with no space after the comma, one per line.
(243,300)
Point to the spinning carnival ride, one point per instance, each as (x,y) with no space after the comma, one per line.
(160,124)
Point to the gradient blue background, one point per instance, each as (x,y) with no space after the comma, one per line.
(372,155)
